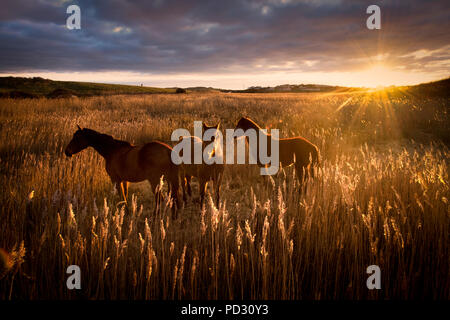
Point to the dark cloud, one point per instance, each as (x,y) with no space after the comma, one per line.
(224,36)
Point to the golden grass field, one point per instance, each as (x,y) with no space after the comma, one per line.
(381,196)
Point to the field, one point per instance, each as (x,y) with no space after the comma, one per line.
(381,196)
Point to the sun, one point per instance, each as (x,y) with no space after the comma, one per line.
(380,76)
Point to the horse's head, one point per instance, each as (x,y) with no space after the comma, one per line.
(206,128)
(78,143)
(244,124)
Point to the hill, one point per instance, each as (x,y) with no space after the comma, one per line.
(16,87)
(440,88)
(435,88)
(293,88)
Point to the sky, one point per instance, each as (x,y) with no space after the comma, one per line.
(230,44)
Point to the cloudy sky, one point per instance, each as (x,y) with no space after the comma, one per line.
(227,43)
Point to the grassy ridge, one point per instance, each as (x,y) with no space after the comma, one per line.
(44,87)
(15,87)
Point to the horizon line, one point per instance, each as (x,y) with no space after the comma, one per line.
(141,84)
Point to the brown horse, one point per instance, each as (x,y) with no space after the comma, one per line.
(127,163)
(297,151)
(203,172)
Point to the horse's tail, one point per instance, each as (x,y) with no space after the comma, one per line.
(315,160)
(173,178)
(316,157)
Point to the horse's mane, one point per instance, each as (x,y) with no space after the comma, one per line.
(251,121)
(104,137)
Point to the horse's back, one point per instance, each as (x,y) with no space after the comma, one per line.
(156,146)
(302,148)
(155,153)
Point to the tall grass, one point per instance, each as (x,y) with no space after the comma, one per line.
(380,197)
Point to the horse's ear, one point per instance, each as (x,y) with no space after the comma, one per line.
(79,128)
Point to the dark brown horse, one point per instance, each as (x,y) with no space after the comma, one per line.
(203,172)
(298,151)
(127,163)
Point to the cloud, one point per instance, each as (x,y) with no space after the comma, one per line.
(226,37)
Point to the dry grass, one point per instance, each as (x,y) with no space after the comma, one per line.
(379,198)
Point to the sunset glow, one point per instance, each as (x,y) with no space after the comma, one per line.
(232,45)
(371,77)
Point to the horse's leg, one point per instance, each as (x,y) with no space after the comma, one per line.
(119,187)
(125,189)
(183,186)
(309,170)
(154,185)
(202,185)
(300,171)
(188,185)
(217,181)
(123,192)
(173,183)
(158,198)
(265,177)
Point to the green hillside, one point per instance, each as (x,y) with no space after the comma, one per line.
(39,87)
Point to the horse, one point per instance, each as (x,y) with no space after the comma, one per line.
(128,163)
(296,151)
(203,172)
